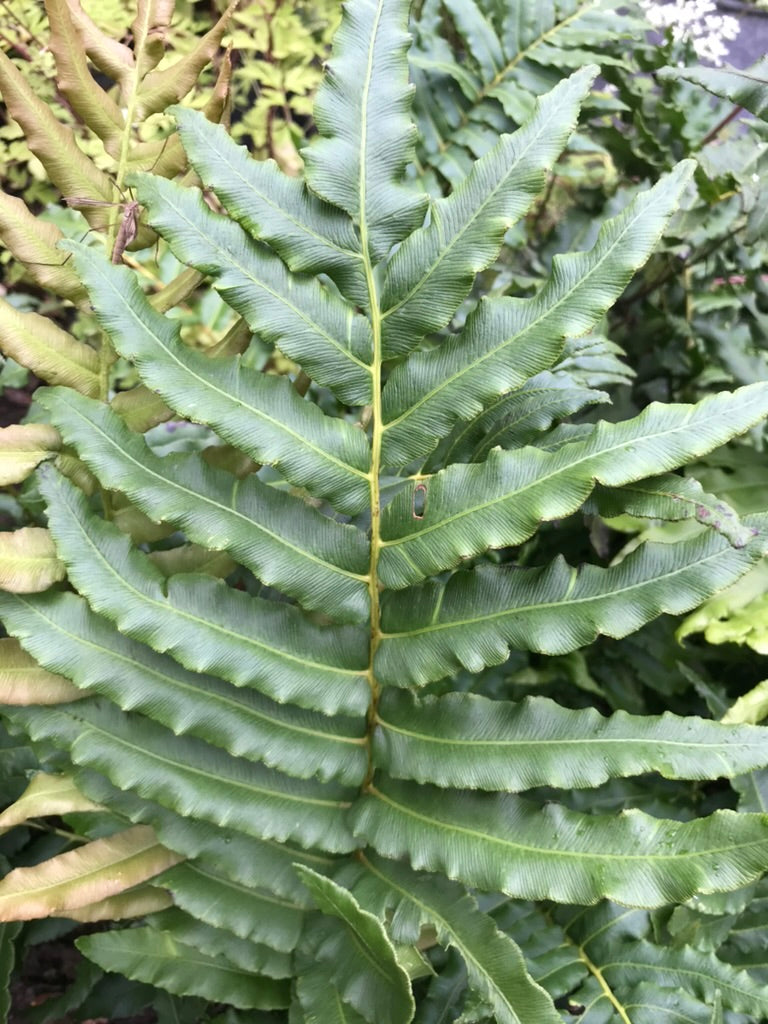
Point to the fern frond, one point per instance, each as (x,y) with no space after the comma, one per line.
(494,962)
(298,315)
(236,678)
(433,270)
(53,354)
(157,957)
(64,635)
(283,540)
(196,779)
(506,341)
(672,498)
(745,87)
(223,853)
(260,414)
(309,235)
(500,503)
(249,640)
(250,957)
(508,844)
(366,135)
(29,561)
(469,741)
(319,1002)
(517,418)
(499,59)
(620,945)
(24,681)
(242,909)
(357,954)
(44,796)
(474,618)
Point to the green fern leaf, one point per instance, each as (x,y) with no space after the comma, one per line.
(517,419)
(285,542)
(479,34)
(506,844)
(246,912)
(196,780)
(308,234)
(467,740)
(225,854)
(61,631)
(260,716)
(673,498)
(495,965)
(479,66)
(158,958)
(292,659)
(301,317)
(501,502)
(218,942)
(474,618)
(433,270)
(506,341)
(745,87)
(619,944)
(367,138)
(260,414)
(319,1001)
(361,960)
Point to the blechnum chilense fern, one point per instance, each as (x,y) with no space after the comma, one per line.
(292,777)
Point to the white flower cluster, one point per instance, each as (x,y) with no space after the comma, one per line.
(697,21)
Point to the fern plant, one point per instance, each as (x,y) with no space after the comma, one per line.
(479,66)
(287,774)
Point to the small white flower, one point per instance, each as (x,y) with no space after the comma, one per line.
(695,21)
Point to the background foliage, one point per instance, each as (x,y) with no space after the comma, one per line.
(691,322)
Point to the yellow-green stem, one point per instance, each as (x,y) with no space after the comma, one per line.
(373,577)
(106,352)
(375,419)
(607,990)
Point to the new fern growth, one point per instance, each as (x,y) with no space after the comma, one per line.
(296,762)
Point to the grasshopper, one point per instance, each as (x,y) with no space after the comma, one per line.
(129,222)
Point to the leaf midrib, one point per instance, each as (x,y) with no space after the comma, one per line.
(559,742)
